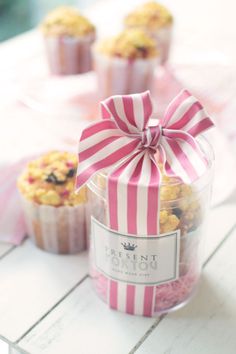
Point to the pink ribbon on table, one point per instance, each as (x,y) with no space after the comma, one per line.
(128,149)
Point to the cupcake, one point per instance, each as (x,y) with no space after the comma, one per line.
(157,21)
(68,37)
(125,64)
(55,216)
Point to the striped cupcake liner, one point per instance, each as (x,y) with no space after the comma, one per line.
(69,55)
(61,230)
(163,39)
(118,76)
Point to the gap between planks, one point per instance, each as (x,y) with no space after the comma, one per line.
(15,344)
(12,346)
(4,254)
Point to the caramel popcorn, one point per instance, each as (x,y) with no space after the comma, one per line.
(168,222)
(130,44)
(67,21)
(184,213)
(150,15)
(50,180)
(180,208)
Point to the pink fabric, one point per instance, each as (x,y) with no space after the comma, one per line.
(12,226)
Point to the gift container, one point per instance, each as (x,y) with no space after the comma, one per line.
(68,37)
(125,64)
(55,217)
(183,209)
(149,186)
(157,21)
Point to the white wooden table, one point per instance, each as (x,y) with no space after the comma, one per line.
(47,305)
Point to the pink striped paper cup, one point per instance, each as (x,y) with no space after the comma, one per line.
(69,55)
(120,76)
(60,230)
(163,38)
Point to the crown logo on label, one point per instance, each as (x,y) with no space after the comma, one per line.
(128,246)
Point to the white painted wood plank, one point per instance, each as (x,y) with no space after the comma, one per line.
(206,325)
(13,351)
(84,324)
(83,316)
(4,248)
(3,347)
(32,281)
(221,220)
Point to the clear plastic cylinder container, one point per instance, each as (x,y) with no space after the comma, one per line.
(184,208)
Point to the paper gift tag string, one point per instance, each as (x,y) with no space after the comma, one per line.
(128,149)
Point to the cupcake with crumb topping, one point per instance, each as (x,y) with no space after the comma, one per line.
(55,216)
(157,21)
(125,63)
(68,38)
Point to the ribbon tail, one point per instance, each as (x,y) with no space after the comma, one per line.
(133,208)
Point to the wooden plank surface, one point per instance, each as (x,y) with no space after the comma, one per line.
(4,249)
(221,220)
(3,347)
(84,324)
(32,281)
(67,328)
(206,325)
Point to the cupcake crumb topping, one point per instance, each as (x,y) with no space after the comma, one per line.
(68,21)
(130,44)
(151,15)
(50,180)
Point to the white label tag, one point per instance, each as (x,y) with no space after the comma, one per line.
(133,259)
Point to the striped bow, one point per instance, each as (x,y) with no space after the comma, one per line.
(128,148)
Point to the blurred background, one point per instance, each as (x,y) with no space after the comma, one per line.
(17,16)
(203,57)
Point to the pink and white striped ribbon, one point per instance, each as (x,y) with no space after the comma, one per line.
(128,148)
